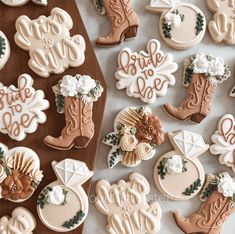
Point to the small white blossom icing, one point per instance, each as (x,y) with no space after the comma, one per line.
(128,142)
(216,67)
(173,19)
(201,63)
(85,84)
(68,86)
(144,151)
(174,165)
(56,196)
(226,185)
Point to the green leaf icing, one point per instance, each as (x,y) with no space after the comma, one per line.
(193,188)
(2,46)
(75,220)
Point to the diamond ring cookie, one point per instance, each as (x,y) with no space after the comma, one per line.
(222,27)
(65,197)
(20,173)
(74,97)
(218,204)
(224,141)
(182,25)
(126,207)
(182,165)
(145,75)
(4,50)
(137,133)
(21,221)
(202,73)
(17,3)
(52,50)
(21,108)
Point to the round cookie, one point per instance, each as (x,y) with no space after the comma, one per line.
(65,197)
(17,3)
(4,50)
(181,165)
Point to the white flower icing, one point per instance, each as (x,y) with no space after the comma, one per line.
(201,63)
(174,165)
(216,67)
(56,196)
(173,19)
(68,86)
(144,151)
(85,84)
(226,185)
(128,142)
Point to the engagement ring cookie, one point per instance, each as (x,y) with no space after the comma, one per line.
(201,75)
(21,221)
(126,207)
(21,108)
(232,93)
(20,173)
(222,27)
(182,165)
(224,141)
(137,133)
(17,3)
(51,48)
(145,75)
(74,97)
(4,50)
(63,205)
(182,25)
(218,204)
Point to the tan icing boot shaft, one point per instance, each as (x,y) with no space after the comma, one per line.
(124,22)
(198,103)
(79,128)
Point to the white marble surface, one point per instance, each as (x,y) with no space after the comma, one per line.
(97,25)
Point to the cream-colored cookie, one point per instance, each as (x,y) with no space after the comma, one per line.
(48,40)
(21,221)
(145,75)
(182,165)
(17,3)
(126,207)
(65,197)
(182,25)
(232,93)
(4,50)
(21,108)
(222,27)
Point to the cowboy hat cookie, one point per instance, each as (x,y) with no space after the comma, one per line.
(218,204)
(126,206)
(52,50)
(137,133)
(21,108)
(20,173)
(224,141)
(232,93)
(21,221)
(65,197)
(182,165)
(17,3)
(74,97)
(4,50)
(145,75)
(182,25)
(222,27)
(202,73)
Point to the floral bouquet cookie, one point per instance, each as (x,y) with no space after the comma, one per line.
(4,50)
(20,173)
(218,204)
(182,165)
(202,74)
(137,133)
(74,97)
(63,205)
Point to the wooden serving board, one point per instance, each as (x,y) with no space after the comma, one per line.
(17,65)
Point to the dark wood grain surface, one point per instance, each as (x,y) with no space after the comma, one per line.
(17,65)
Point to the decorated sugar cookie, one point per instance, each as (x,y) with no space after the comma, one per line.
(126,206)
(232,93)
(218,204)
(99,4)
(21,221)
(224,141)
(52,50)
(182,25)
(182,165)
(63,205)
(21,108)
(222,27)
(145,75)
(202,73)
(4,50)
(137,133)
(20,173)
(74,97)
(17,3)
